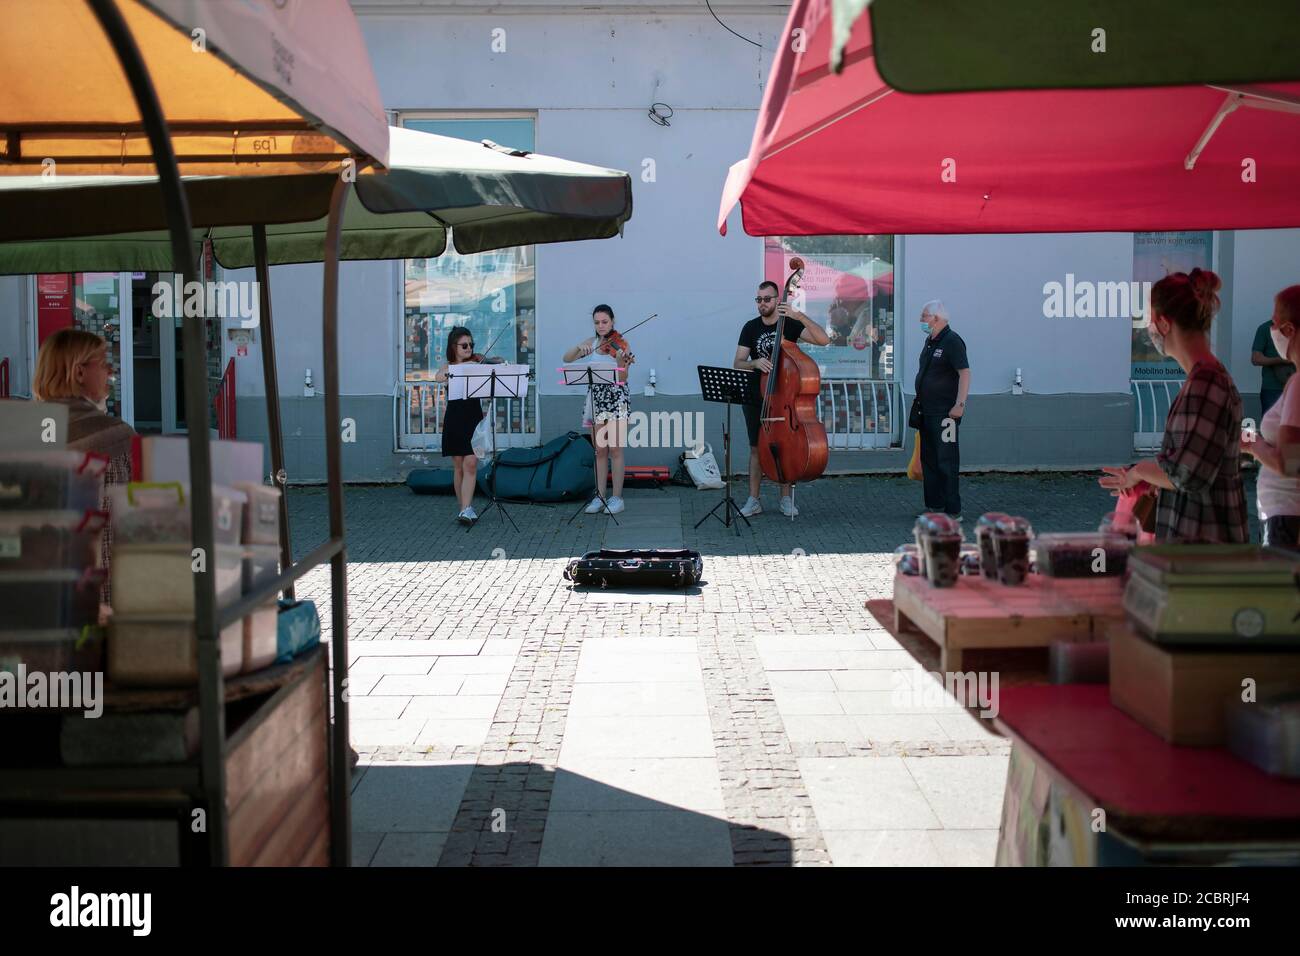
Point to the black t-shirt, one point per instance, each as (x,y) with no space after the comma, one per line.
(759,337)
(946,354)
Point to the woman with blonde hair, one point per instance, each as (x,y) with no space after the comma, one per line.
(73,368)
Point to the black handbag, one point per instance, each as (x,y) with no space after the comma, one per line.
(916,417)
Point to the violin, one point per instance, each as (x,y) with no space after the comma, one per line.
(614,343)
(792,444)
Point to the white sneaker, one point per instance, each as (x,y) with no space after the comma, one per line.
(595,508)
(752,507)
(787,507)
(471,514)
(463,516)
(616,506)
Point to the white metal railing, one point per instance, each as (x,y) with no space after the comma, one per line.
(1152,398)
(860,413)
(422,406)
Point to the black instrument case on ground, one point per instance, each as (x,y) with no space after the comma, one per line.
(637,567)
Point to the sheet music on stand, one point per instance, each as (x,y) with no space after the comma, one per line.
(476,380)
(590,373)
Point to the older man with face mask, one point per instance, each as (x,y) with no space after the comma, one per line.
(942,385)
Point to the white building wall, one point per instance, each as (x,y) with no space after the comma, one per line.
(591,77)
(993,289)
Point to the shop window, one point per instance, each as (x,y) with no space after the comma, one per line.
(848,289)
(493,294)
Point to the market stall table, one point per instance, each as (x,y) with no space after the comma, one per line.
(1088,785)
(980,614)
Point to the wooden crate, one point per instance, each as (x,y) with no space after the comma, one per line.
(1180,692)
(979,614)
(277,779)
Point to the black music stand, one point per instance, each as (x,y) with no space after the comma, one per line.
(491,385)
(730,386)
(592,375)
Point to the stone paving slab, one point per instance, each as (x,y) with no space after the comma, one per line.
(778,623)
(625,783)
(676,699)
(661,837)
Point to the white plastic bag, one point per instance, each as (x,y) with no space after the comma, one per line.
(703,467)
(481,440)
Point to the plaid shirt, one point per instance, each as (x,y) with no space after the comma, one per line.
(1200,454)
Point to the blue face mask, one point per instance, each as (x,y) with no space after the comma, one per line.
(925,326)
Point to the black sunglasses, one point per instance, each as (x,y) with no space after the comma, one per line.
(764,298)
(464,345)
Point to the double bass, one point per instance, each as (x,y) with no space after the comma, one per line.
(791,442)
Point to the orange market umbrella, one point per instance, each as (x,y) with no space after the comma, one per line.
(172,87)
(250,88)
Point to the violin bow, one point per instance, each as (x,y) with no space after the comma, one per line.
(641,323)
(497,337)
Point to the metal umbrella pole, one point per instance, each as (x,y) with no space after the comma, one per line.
(340,764)
(274,430)
(212,711)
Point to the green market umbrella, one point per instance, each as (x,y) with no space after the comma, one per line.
(943,46)
(489,196)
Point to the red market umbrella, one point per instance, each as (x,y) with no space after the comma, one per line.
(848,154)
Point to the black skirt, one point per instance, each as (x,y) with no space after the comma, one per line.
(463,416)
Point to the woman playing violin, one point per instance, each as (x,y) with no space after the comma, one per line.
(458,424)
(607,407)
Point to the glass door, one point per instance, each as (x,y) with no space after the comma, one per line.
(97,308)
(146,357)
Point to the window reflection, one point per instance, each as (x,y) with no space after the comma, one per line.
(848,288)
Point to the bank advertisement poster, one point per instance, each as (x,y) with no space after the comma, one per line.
(1156,255)
(851,295)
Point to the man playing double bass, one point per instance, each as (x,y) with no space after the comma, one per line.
(754,353)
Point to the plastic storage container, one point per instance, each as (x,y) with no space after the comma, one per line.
(984,538)
(162,650)
(907,559)
(1266,732)
(49,600)
(939,539)
(261,564)
(1081,555)
(261,514)
(260,647)
(50,540)
(51,480)
(65,649)
(159,578)
(148,513)
(970,560)
(1011,549)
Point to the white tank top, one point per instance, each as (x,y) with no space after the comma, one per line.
(1278,494)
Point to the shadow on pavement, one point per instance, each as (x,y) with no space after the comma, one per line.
(521,814)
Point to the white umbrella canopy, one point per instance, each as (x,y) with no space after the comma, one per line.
(253,87)
(490,197)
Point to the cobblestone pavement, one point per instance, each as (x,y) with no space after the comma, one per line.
(505,718)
